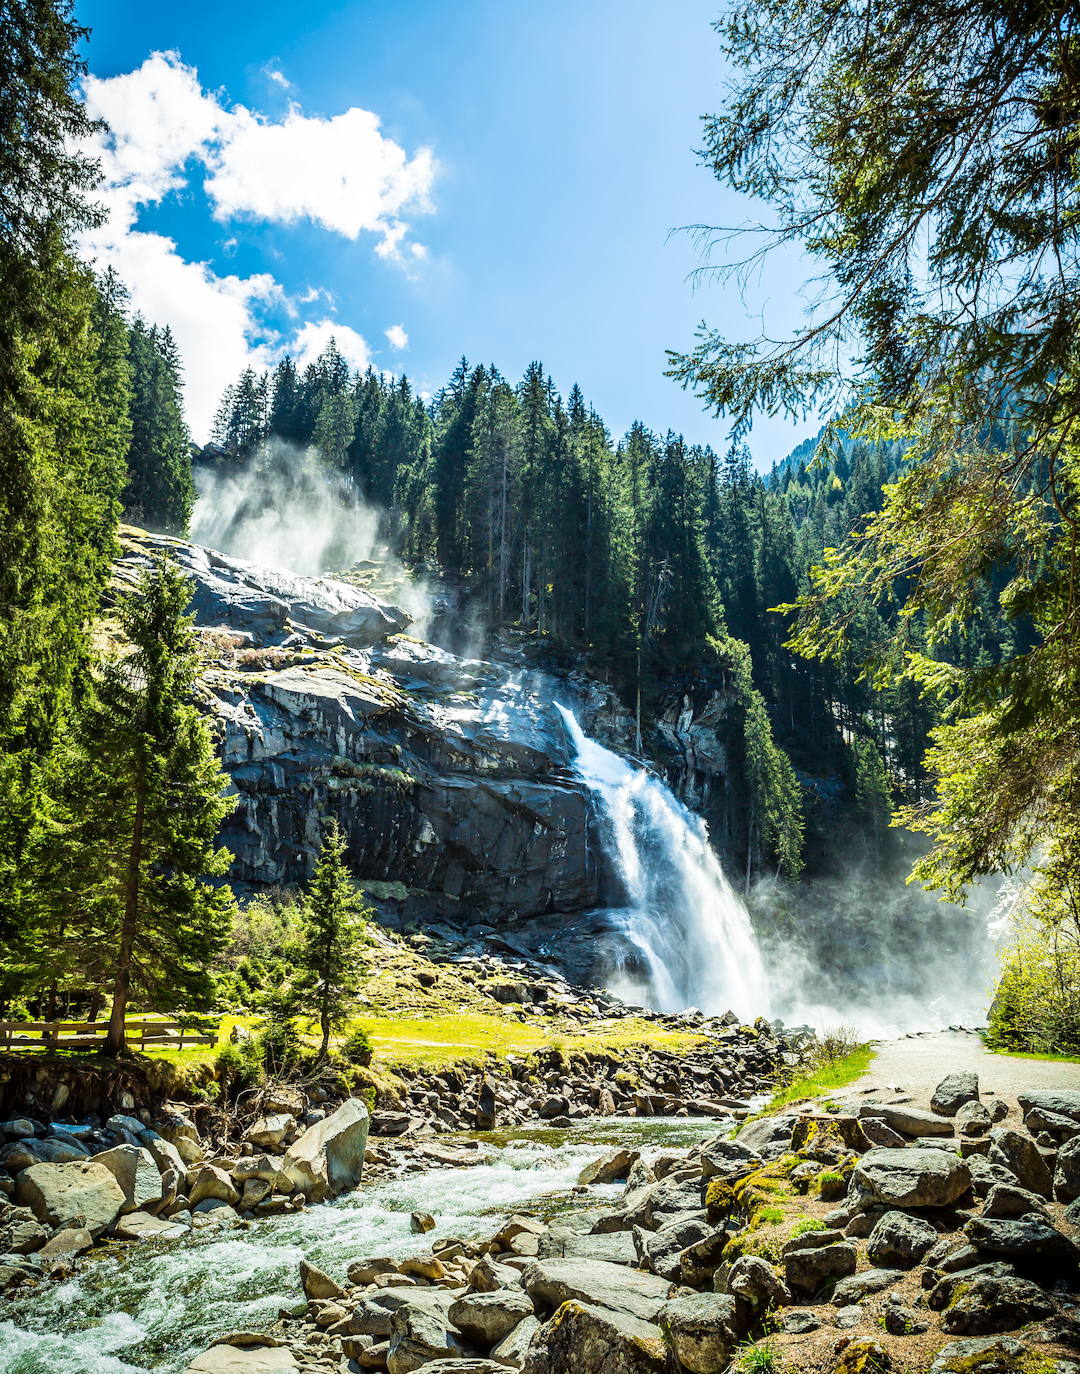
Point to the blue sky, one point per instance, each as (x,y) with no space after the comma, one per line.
(494,179)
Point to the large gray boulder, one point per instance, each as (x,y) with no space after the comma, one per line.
(71,1196)
(134,1169)
(1030,1240)
(1067,1171)
(1020,1155)
(419,1334)
(552,1282)
(909,1121)
(808,1270)
(514,1348)
(900,1241)
(912,1177)
(988,1304)
(240,1359)
(596,1340)
(488,1318)
(954,1091)
(328,1158)
(995,1355)
(702,1330)
(1041,1106)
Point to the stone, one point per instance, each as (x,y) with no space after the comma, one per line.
(418,1335)
(488,1318)
(811,1240)
(610,1168)
(164,1153)
(808,1270)
(513,1349)
(208,1182)
(364,1271)
(146,1226)
(317,1284)
(552,1282)
(973,1119)
(988,1304)
(700,1260)
(878,1132)
(1067,1171)
(701,1330)
(827,1138)
(993,1355)
(796,1323)
(909,1121)
(585,1338)
(856,1287)
(1020,1155)
(985,1175)
(903,1321)
(269,1132)
(849,1316)
(728,1159)
(488,1275)
(1030,1240)
(21,1233)
(138,1175)
(861,1357)
(768,1136)
(235,1359)
(470,1364)
(757,1284)
(955,1091)
(328,1158)
(661,1250)
(1042,1102)
(1007,1200)
(70,1240)
(899,1241)
(912,1177)
(421,1222)
(373,1315)
(71,1195)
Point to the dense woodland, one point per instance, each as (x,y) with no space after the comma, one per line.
(924,551)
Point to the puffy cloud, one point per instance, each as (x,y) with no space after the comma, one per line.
(341,172)
(397,336)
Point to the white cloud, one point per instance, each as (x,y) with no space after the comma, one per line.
(278,77)
(341,172)
(397,336)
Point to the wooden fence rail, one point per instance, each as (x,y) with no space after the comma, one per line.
(80,1035)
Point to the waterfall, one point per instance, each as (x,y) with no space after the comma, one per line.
(691,936)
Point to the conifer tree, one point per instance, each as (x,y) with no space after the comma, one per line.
(140,797)
(160,491)
(333,933)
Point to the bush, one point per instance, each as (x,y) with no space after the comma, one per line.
(357,1048)
(1037,1003)
(240,1066)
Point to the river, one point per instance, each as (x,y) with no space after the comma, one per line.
(152,1306)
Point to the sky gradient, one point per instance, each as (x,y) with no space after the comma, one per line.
(490,179)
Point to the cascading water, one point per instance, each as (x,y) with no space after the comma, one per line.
(694,942)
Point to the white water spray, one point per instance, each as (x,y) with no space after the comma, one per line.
(692,934)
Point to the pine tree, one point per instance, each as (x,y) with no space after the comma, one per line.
(160,491)
(140,797)
(333,933)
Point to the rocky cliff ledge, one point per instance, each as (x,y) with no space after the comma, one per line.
(450,776)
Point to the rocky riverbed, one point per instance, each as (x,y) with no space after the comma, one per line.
(901,1236)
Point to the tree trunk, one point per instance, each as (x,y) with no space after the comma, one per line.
(122,978)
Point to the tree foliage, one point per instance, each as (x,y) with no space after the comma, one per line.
(333,921)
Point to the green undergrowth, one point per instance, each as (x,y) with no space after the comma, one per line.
(1034,1054)
(824,1078)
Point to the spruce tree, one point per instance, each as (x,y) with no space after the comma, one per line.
(331,938)
(160,491)
(140,797)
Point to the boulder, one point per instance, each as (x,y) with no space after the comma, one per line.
(207,1181)
(878,1132)
(1007,1200)
(138,1175)
(145,1226)
(807,1270)
(596,1340)
(488,1318)
(552,1282)
(269,1132)
(861,1356)
(373,1315)
(1067,1171)
(236,1359)
(768,1136)
(912,1177)
(955,1091)
(317,1284)
(701,1330)
(70,1240)
(728,1159)
(609,1168)
(900,1241)
(757,1283)
(21,1233)
(418,1335)
(989,1303)
(513,1349)
(856,1287)
(660,1250)
(973,1119)
(699,1261)
(909,1121)
(1030,1240)
(71,1195)
(1020,1155)
(329,1157)
(994,1355)
(1050,1102)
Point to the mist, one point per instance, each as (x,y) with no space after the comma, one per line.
(866,949)
(287,509)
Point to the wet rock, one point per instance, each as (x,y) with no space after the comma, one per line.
(21,1233)
(807,1270)
(1029,1240)
(955,1091)
(702,1330)
(1020,1155)
(71,1195)
(421,1222)
(900,1241)
(913,1177)
(328,1158)
(596,1340)
(69,1241)
(145,1226)
(552,1282)
(610,1168)
(488,1318)
(988,1304)
(317,1284)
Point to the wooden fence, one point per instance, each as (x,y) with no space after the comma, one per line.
(90,1035)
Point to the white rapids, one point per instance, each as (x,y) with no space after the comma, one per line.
(693,938)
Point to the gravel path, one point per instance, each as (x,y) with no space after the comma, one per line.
(916,1065)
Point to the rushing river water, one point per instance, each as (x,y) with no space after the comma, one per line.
(153,1306)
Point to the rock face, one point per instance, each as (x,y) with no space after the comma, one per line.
(329,1157)
(445,776)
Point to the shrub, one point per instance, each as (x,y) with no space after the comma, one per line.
(357,1048)
(240,1066)
(1037,1003)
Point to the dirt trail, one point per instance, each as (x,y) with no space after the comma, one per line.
(917,1065)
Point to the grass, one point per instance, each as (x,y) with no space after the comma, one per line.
(757,1358)
(825,1078)
(1036,1054)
